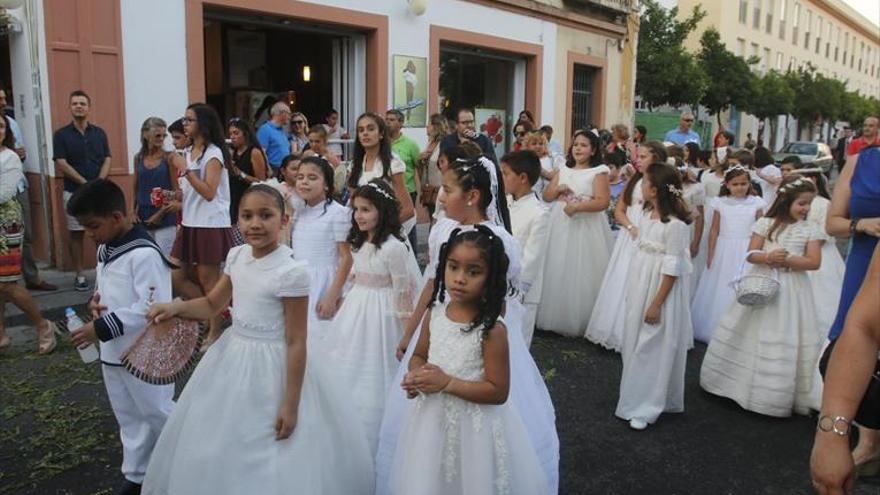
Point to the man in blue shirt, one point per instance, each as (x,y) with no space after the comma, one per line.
(272,135)
(81,153)
(683,133)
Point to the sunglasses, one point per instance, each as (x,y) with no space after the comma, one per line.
(297,122)
(688,120)
(520,134)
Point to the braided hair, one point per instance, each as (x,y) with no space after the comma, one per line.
(381,196)
(491,249)
(470,174)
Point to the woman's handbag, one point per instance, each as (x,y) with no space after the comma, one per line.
(757,286)
(868,414)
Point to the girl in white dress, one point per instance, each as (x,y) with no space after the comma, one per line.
(579,238)
(474,196)
(657,331)
(606,323)
(763,357)
(459,435)
(695,198)
(319,237)
(257,415)
(733,214)
(369,325)
(712,180)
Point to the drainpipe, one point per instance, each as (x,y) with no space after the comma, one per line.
(42,147)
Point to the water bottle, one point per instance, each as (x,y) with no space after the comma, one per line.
(88,353)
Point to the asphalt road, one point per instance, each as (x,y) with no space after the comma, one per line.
(58,435)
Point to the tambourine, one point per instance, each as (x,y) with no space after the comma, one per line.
(164,351)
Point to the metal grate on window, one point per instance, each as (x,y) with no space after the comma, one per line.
(582,96)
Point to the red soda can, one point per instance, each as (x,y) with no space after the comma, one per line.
(157,198)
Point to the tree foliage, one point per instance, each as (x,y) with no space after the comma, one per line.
(731,81)
(666,74)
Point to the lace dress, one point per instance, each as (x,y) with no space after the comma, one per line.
(763,357)
(220,437)
(452,446)
(365,332)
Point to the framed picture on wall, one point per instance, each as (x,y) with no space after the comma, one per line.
(492,123)
(410,81)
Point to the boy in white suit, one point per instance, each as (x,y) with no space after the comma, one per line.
(528,218)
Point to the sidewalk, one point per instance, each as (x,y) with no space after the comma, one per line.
(52,304)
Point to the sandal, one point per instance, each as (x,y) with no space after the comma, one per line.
(46,341)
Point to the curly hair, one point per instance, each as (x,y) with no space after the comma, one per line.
(670,193)
(470,174)
(595,145)
(381,196)
(780,211)
(491,249)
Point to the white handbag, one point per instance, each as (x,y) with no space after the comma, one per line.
(757,286)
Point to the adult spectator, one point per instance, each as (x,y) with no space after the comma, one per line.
(28,265)
(554,146)
(248,165)
(522,129)
(869,136)
(640,134)
(527,116)
(849,371)
(408,151)
(10,241)
(683,133)
(724,142)
(429,170)
(840,149)
(465,130)
(153,169)
(750,142)
(334,131)
(855,212)
(273,137)
(299,137)
(264,112)
(81,154)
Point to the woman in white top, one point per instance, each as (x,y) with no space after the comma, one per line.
(205,236)
(373,160)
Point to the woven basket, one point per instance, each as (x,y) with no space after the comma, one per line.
(756,287)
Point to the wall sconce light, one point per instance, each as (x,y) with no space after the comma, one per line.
(417,7)
(307,73)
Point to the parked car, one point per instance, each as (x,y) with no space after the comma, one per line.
(817,155)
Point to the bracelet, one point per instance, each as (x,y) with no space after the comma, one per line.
(629,227)
(451,378)
(838,425)
(852,225)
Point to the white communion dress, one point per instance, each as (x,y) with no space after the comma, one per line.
(450,446)
(578,251)
(763,357)
(369,325)
(220,437)
(606,322)
(827,281)
(714,292)
(529,396)
(654,356)
(711,189)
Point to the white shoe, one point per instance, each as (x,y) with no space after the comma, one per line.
(638,424)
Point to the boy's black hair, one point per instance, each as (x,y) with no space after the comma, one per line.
(524,162)
(792,159)
(491,249)
(616,157)
(296,156)
(79,92)
(99,197)
(176,126)
(704,156)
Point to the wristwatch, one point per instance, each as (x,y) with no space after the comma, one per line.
(852,225)
(838,425)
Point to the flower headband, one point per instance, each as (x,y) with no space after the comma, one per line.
(674,190)
(381,191)
(734,168)
(793,185)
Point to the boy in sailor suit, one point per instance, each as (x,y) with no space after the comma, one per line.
(129,264)
(528,219)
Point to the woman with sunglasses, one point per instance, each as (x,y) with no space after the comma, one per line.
(520,131)
(299,138)
(154,171)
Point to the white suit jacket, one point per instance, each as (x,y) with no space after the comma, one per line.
(529,220)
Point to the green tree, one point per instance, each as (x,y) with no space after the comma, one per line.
(772,97)
(666,74)
(818,99)
(731,81)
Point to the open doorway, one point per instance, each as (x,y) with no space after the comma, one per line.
(312,66)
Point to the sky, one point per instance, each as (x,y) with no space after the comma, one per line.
(868,8)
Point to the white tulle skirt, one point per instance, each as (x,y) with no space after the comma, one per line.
(827,283)
(714,292)
(529,399)
(220,437)
(321,278)
(606,322)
